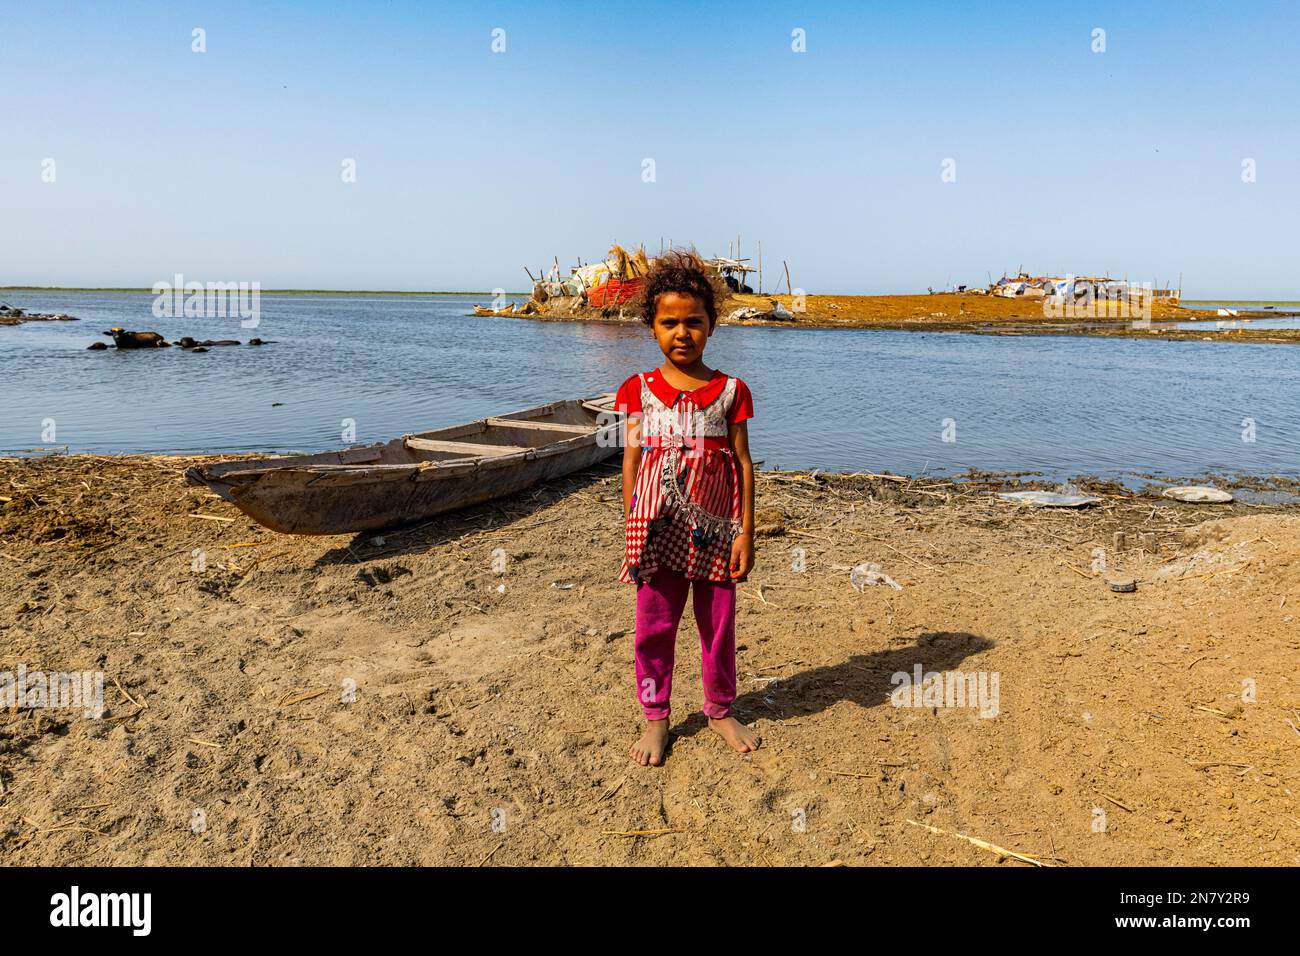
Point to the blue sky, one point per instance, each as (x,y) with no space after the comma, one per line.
(225,165)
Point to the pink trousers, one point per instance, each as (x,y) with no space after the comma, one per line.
(659,605)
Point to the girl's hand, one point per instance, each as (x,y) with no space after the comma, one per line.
(742,555)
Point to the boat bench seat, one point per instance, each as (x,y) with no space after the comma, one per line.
(468,449)
(540,426)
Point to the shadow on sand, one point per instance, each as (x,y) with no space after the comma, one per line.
(863,679)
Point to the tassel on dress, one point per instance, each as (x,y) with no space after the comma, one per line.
(673,491)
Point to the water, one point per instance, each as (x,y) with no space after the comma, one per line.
(840,400)
(1281,305)
(1230,324)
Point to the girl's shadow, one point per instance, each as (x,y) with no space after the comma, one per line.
(864,679)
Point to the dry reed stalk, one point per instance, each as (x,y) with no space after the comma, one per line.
(641,833)
(985,845)
(1077,571)
(1114,801)
(128,696)
(289,700)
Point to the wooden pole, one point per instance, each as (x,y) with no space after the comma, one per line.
(760,267)
(530,275)
(788,290)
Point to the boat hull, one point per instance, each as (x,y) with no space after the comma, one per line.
(398,483)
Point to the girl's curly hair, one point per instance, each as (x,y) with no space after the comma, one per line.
(681,271)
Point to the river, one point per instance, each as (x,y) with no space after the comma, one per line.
(839,400)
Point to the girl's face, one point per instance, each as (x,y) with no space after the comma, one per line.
(682,327)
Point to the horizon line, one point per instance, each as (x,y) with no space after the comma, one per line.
(1226,300)
(150,291)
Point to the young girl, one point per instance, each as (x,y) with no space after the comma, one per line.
(688,500)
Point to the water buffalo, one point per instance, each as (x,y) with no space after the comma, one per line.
(188,342)
(137,340)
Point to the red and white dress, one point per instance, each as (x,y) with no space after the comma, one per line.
(686,503)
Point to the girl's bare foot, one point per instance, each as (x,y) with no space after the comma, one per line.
(735,733)
(649,750)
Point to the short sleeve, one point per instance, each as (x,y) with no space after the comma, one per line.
(628,399)
(742,406)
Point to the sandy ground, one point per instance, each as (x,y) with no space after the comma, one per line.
(493,711)
(995,315)
(938,311)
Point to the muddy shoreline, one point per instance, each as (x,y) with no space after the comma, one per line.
(958,312)
(13,316)
(488,655)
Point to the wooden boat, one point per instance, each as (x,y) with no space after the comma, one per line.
(417,476)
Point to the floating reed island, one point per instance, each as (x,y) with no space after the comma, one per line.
(609,290)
